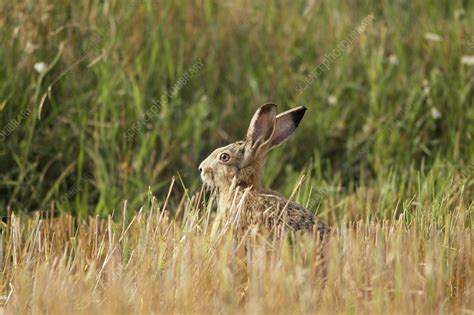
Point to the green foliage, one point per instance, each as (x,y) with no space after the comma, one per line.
(373,113)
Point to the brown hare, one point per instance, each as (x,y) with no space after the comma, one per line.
(236,169)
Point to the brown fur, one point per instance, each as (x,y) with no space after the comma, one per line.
(239,176)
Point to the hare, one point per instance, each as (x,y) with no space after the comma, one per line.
(237,169)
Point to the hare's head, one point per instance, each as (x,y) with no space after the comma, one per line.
(243,160)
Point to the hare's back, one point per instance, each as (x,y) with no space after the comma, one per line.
(279,210)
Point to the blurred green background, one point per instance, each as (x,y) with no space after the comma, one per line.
(395,107)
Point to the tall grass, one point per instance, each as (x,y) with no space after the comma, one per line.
(155,263)
(369,113)
(386,149)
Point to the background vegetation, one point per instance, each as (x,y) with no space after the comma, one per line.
(98,113)
(370,114)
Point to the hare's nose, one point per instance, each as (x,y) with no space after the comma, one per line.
(200,169)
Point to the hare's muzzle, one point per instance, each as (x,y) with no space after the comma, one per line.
(201,168)
(206,173)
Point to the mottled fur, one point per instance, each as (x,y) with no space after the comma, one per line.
(236,169)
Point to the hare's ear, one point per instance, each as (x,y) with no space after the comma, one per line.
(262,125)
(285,125)
(260,130)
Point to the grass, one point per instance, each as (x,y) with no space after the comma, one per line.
(416,263)
(386,148)
(369,113)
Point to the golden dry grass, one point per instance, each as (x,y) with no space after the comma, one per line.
(158,264)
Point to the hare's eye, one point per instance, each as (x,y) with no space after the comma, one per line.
(224,157)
